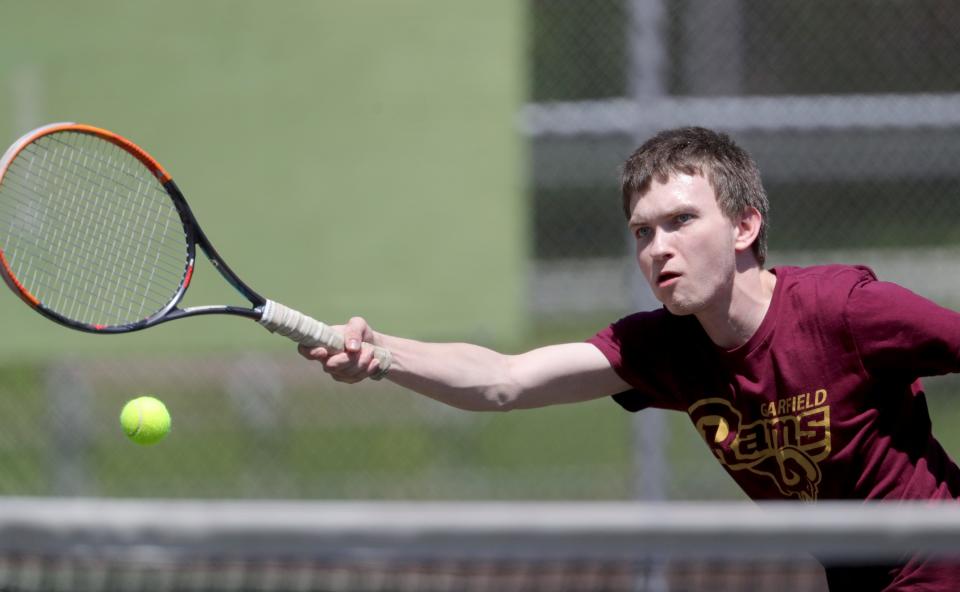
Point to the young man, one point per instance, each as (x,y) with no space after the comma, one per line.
(803,382)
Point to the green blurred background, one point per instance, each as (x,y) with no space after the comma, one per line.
(378,157)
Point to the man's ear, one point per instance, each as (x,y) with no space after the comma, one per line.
(747,228)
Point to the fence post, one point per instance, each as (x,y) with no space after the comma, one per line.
(70,422)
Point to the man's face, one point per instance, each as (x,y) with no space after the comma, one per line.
(685,244)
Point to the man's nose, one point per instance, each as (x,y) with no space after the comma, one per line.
(661,245)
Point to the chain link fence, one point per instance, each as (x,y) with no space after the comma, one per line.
(852,111)
(273,426)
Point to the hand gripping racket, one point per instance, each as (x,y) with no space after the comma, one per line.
(95,235)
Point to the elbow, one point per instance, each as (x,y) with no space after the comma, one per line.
(475,398)
(502,400)
(500,391)
(491,399)
(505,394)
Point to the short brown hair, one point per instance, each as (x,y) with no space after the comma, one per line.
(731,172)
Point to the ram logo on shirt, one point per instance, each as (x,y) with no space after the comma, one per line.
(786,445)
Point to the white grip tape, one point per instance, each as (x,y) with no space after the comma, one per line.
(310,332)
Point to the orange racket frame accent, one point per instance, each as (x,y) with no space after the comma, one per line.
(162,175)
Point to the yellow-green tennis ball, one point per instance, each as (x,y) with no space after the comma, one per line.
(145,420)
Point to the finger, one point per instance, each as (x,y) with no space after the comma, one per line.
(346,366)
(359,361)
(359,368)
(313,353)
(364,356)
(351,375)
(341,362)
(373,366)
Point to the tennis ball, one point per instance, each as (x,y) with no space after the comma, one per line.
(145,420)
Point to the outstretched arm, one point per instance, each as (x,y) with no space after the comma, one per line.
(472,377)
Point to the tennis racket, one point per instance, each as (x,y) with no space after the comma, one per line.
(97,237)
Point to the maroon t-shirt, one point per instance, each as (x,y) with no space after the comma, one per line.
(823,402)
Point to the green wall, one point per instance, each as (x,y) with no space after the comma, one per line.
(344,157)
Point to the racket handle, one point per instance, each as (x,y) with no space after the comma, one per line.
(310,332)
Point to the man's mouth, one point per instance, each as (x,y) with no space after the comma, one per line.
(667,278)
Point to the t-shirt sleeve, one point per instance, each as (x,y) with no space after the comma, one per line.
(610,343)
(628,345)
(900,333)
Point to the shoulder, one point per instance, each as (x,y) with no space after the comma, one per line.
(823,281)
(825,274)
(651,329)
(649,321)
(652,351)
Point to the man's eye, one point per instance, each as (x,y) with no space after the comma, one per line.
(684,218)
(642,232)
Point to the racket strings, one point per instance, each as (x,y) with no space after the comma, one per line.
(79,280)
(90,231)
(83,271)
(61,240)
(86,241)
(122,252)
(105,202)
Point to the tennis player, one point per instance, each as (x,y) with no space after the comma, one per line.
(804,382)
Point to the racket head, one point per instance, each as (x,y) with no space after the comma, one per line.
(91,235)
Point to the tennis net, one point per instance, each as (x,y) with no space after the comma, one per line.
(102,544)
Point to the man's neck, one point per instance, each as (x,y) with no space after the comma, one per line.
(732,322)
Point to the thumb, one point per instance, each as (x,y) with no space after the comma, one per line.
(353,333)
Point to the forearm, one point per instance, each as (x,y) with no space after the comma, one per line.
(479,379)
(462,375)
